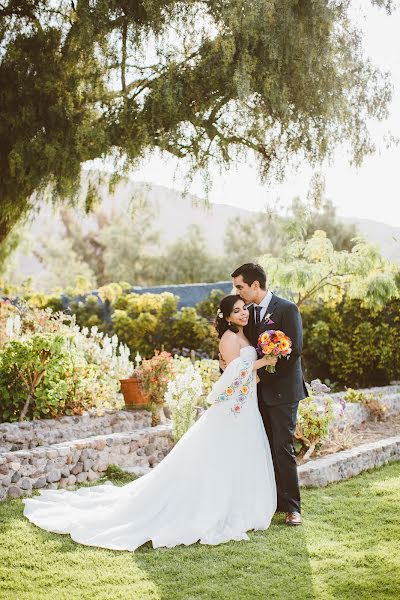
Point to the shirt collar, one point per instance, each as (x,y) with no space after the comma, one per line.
(266,300)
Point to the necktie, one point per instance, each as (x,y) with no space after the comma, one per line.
(258,314)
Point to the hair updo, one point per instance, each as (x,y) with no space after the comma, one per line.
(225,309)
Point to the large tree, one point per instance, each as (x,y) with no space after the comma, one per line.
(209,80)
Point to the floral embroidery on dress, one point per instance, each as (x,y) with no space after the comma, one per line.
(240,387)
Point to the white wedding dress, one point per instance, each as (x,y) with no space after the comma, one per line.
(216,484)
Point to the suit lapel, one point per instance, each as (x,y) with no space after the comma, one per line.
(271,307)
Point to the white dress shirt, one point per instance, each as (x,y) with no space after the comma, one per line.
(264,305)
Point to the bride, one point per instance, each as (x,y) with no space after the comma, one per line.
(216,484)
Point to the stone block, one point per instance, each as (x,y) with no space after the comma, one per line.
(71,480)
(65,471)
(92,476)
(40,483)
(87,464)
(14,492)
(102,466)
(54,475)
(15,477)
(25,484)
(15,466)
(78,468)
(150,449)
(100,444)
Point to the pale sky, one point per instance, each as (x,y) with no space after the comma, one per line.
(370,192)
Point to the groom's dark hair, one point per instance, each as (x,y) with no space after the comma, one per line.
(252,272)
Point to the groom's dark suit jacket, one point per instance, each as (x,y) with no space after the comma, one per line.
(286,385)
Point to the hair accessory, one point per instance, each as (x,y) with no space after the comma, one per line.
(220,314)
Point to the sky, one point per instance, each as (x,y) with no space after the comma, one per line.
(370,192)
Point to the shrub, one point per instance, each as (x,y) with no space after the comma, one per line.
(208,307)
(49,367)
(352,343)
(312,425)
(373,403)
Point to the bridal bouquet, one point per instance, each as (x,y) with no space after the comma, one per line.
(273,343)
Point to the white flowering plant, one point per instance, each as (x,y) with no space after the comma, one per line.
(50,367)
(207,368)
(182,397)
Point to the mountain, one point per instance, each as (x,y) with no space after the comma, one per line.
(386,237)
(173,214)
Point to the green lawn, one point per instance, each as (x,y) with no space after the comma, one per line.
(348,548)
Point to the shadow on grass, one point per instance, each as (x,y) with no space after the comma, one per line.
(274,564)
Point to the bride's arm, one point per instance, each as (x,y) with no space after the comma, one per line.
(229,348)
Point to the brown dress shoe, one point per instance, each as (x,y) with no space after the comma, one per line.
(293,518)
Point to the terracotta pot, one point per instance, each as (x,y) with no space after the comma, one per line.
(132,392)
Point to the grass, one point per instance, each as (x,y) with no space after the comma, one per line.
(348,548)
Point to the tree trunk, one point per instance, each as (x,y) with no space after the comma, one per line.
(26,406)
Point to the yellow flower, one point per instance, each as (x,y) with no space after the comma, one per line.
(283,345)
(264,337)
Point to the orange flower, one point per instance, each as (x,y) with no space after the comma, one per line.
(279,334)
(266,349)
(245,389)
(284,344)
(229,391)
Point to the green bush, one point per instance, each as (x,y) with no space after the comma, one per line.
(144,322)
(208,307)
(349,343)
(343,344)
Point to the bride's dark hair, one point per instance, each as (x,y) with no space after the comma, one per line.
(225,309)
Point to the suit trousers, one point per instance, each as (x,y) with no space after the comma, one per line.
(280,423)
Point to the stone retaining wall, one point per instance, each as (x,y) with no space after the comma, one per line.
(45,432)
(65,464)
(348,463)
(349,413)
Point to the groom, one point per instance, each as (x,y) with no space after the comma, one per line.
(278,393)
